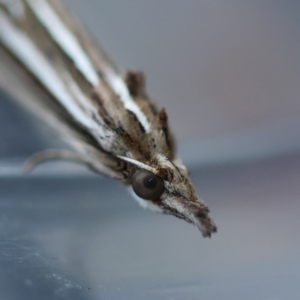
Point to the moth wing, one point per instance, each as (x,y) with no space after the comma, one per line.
(40,77)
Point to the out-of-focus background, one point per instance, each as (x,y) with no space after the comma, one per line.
(228,73)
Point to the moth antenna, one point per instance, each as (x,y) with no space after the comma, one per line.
(51,154)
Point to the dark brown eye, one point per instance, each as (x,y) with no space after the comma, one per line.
(147,185)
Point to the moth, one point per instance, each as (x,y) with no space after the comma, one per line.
(108,119)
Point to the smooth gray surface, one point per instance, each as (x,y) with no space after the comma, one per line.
(84,238)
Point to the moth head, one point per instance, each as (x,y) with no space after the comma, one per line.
(165,186)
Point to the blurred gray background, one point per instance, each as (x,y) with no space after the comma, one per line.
(228,73)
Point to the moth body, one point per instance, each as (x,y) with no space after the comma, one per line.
(109,120)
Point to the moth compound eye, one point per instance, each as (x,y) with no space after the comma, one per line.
(147,185)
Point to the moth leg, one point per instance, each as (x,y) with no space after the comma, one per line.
(50,154)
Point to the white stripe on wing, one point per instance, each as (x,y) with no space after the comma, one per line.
(71,46)
(119,87)
(25,50)
(64,38)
